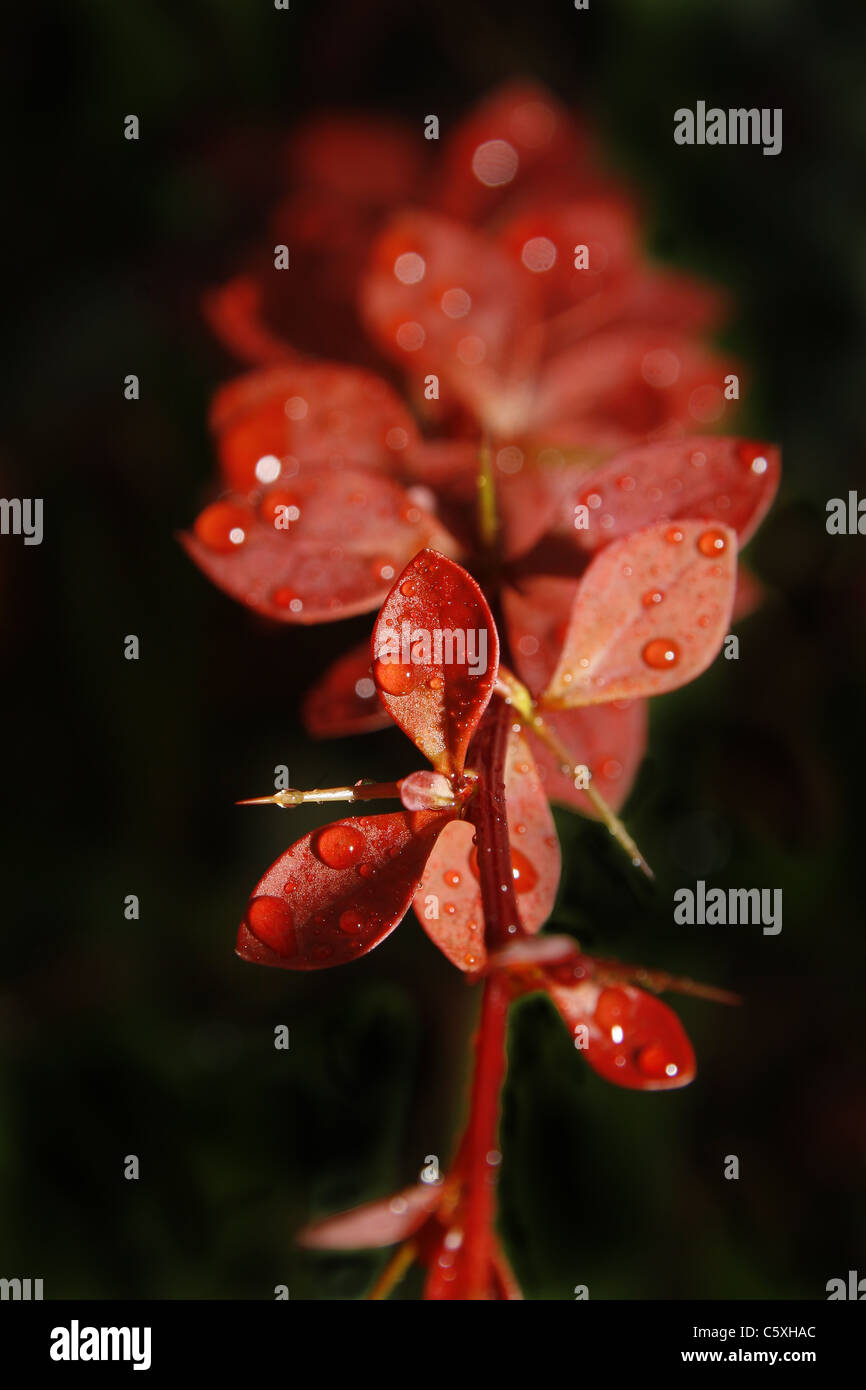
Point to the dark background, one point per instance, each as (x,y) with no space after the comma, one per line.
(150,1037)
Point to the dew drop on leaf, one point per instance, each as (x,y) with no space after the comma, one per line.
(661,653)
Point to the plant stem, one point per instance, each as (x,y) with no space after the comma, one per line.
(502,922)
(478,1159)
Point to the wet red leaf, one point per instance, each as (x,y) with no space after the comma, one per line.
(324,545)
(435,657)
(732,481)
(271,421)
(629,1037)
(344,701)
(448,903)
(649,615)
(442,299)
(338,891)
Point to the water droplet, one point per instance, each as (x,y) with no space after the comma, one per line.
(470,960)
(626,483)
(655,1061)
(340,846)
(753,456)
(407,588)
(450,908)
(286,598)
(611,1008)
(223,526)
(352,921)
(383,568)
(452,878)
(524,871)
(660,653)
(435,682)
(651,597)
(396,677)
(270,920)
(712,543)
(674,535)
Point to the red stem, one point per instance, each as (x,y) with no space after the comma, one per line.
(502,922)
(480,1140)
(502,925)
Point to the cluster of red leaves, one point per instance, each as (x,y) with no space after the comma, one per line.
(558,439)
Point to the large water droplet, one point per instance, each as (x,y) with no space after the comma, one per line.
(661,653)
(712,543)
(270,920)
(396,677)
(655,1061)
(223,526)
(340,846)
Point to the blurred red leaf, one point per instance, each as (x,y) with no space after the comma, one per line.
(325,545)
(631,1038)
(344,700)
(374,1224)
(307,413)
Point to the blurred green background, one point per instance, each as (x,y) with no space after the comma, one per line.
(150,1037)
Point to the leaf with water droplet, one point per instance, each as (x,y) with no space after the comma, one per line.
(617,647)
(317,907)
(435,657)
(312,554)
(632,1038)
(441,297)
(732,481)
(344,701)
(270,422)
(451,885)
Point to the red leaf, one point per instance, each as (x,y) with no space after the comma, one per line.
(338,891)
(344,700)
(537,613)
(609,739)
(442,299)
(296,414)
(375,1223)
(750,593)
(732,481)
(364,160)
(234,313)
(543,243)
(326,545)
(649,615)
(630,1038)
(448,902)
(435,657)
(536,478)
(517,145)
(643,380)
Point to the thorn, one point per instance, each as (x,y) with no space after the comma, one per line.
(283,799)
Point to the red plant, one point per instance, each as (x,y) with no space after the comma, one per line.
(558,448)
